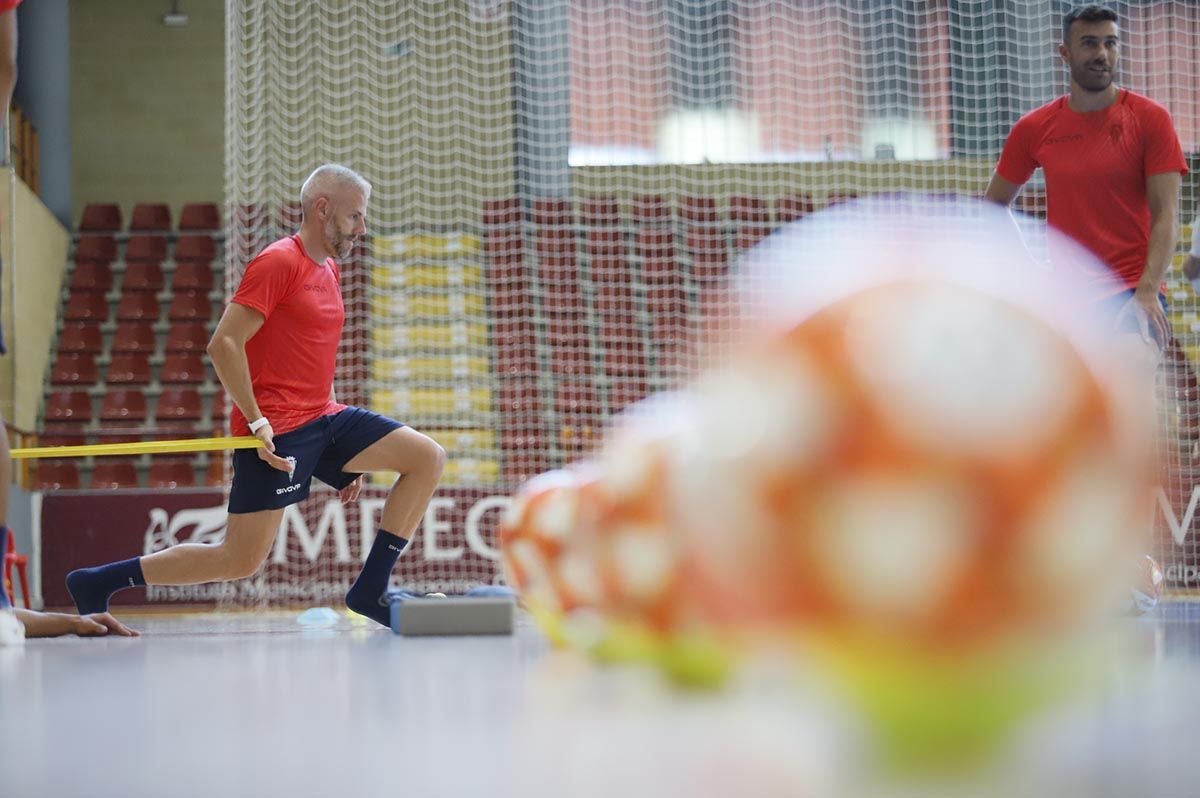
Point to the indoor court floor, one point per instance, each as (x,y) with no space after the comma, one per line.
(254,704)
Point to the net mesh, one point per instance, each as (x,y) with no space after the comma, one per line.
(561,186)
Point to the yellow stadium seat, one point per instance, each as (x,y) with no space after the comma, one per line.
(427,245)
(455,306)
(405,404)
(390,370)
(458,441)
(470,471)
(444,275)
(425,337)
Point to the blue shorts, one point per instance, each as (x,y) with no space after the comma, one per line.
(322,447)
(1111,307)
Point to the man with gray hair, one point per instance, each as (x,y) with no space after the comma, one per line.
(274,351)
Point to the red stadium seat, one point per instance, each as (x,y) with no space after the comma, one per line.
(749,235)
(625,357)
(623,393)
(661,271)
(749,209)
(649,209)
(187,338)
(84,338)
(138,337)
(57,475)
(171,474)
(508,302)
(181,368)
(113,473)
(138,306)
(600,210)
(551,211)
(129,368)
(515,356)
(200,216)
(579,418)
(73,406)
(62,433)
(576,398)
(86,307)
(795,207)
(698,209)
(143,276)
(124,405)
(194,247)
(551,242)
(502,211)
(611,271)
(519,399)
(146,247)
(150,216)
(102,248)
(215,473)
(706,244)
(654,243)
(503,244)
(72,368)
(179,404)
(667,300)
(192,275)
(91,276)
(190,306)
(101,217)
(604,242)
(524,453)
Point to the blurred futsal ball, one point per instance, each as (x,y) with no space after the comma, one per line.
(544,548)
(921,459)
(1147,587)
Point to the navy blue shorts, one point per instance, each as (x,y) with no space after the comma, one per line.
(322,447)
(1111,307)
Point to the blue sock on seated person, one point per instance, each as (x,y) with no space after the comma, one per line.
(91,588)
(4,602)
(368,596)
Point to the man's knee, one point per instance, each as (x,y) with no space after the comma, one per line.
(435,457)
(240,565)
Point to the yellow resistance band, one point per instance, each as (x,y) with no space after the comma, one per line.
(140,447)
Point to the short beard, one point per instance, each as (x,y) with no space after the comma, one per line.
(1089,82)
(336,240)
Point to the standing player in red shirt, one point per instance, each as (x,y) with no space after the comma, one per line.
(1113,168)
(274,351)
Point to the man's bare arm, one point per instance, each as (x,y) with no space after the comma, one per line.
(1001,191)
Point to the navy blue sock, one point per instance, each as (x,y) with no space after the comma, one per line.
(368,595)
(4,603)
(91,587)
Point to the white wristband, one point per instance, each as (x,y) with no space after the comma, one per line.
(255,426)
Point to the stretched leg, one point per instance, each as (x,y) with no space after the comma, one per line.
(420,462)
(247,542)
(5,481)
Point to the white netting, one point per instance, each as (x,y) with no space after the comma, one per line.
(560,186)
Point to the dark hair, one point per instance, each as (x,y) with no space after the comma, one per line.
(1093,12)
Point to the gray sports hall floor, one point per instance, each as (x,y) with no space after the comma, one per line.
(254,705)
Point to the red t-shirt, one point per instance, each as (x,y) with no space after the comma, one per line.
(292,355)
(1096,165)
(8,5)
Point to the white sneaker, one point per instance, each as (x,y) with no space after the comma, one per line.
(12,631)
